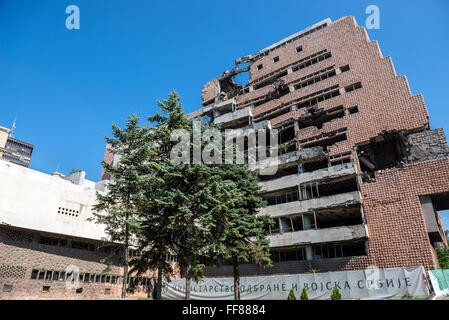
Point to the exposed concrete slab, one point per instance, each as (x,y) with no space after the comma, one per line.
(232,116)
(307,154)
(292,180)
(294,207)
(314,236)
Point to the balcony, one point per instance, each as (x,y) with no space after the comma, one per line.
(234,116)
(292,180)
(289,208)
(314,236)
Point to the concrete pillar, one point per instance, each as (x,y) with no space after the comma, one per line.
(309,253)
(289,70)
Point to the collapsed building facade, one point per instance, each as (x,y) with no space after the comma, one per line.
(361,176)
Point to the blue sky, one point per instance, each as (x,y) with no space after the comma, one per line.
(66,87)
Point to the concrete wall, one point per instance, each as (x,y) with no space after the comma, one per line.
(294,207)
(292,180)
(318,236)
(232,116)
(34,200)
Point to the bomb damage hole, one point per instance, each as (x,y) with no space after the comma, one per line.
(383,152)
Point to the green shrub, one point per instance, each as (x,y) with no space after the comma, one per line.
(443,257)
(336,294)
(291,295)
(304,295)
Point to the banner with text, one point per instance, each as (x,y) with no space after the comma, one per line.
(440,282)
(360,284)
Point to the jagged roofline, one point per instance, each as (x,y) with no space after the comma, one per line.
(253,57)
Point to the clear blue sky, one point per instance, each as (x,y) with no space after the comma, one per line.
(66,87)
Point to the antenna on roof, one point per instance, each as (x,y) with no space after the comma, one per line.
(11,134)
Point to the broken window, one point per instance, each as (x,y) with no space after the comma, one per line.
(353,109)
(353,87)
(276,59)
(431,206)
(315,79)
(259,67)
(48,275)
(287,196)
(325,143)
(34,274)
(337,217)
(270,80)
(45,289)
(297,223)
(312,165)
(310,61)
(330,251)
(315,116)
(285,224)
(327,188)
(281,172)
(299,49)
(320,98)
(279,255)
(344,68)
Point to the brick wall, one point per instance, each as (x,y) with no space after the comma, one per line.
(397,230)
(20,253)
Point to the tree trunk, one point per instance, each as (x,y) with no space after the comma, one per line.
(125,260)
(188,281)
(125,272)
(159,284)
(236,279)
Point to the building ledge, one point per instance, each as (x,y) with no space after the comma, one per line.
(292,180)
(314,236)
(294,207)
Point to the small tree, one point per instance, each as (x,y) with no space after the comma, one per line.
(443,257)
(291,295)
(304,295)
(336,294)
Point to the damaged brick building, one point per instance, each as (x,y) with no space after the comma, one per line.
(361,176)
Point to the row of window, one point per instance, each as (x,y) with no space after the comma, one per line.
(320,77)
(306,61)
(74,244)
(52,275)
(319,252)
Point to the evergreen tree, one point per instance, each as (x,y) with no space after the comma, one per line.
(162,200)
(304,295)
(117,209)
(244,237)
(291,295)
(181,204)
(336,295)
